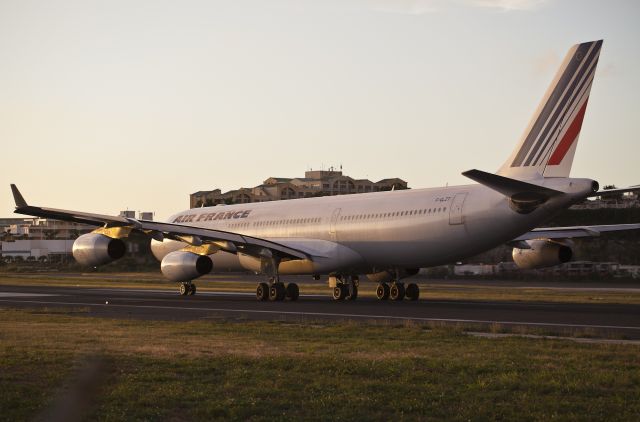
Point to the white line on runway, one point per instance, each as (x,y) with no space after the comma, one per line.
(200,292)
(585,289)
(19,294)
(332,314)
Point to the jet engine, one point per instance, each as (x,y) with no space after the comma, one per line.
(93,249)
(182,266)
(543,253)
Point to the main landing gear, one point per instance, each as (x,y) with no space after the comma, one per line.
(397,291)
(345,288)
(187,289)
(277,291)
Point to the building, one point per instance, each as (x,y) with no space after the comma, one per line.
(620,200)
(41,228)
(37,249)
(36,238)
(314,183)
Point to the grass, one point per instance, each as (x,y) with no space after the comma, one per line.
(246,283)
(226,370)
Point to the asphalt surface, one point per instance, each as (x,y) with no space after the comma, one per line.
(616,320)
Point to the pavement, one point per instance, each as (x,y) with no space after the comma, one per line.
(606,320)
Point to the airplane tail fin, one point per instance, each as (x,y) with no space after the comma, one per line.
(548,145)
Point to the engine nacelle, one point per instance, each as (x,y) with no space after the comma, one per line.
(181,266)
(543,253)
(93,249)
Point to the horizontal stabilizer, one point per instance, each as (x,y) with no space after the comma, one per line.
(510,187)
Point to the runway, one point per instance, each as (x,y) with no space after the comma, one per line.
(157,304)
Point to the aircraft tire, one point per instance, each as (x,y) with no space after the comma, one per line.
(352,292)
(262,292)
(277,292)
(192,289)
(413,291)
(292,291)
(339,292)
(184,289)
(382,291)
(397,291)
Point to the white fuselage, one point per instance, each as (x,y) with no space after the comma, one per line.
(366,233)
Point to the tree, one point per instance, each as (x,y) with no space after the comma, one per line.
(611,197)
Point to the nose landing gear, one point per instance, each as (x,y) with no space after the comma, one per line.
(187,289)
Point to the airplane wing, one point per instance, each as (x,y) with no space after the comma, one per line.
(573,231)
(196,236)
(634,188)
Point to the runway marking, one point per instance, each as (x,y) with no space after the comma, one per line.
(200,292)
(334,314)
(18,294)
(322,296)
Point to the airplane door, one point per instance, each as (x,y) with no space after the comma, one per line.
(455,213)
(334,223)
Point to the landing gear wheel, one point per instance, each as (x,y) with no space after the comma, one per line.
(192,289)
(413,291)
(292,291)
(184,289)
(382,291)
(262,292)
(397,291)
(339,292)
(277,292)
(352,292)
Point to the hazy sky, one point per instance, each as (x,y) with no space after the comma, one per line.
(109,105)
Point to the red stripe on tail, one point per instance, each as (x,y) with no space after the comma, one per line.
(569,137)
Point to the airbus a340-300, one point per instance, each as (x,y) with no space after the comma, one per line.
(385,235)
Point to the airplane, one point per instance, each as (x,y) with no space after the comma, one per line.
(389,235)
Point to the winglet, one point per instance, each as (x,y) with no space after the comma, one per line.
(17,197)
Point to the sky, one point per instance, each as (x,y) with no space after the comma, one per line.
(113,105)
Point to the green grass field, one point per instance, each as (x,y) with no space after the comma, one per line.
(228,370)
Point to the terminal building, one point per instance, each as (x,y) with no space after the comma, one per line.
(34,238)
(314,183)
